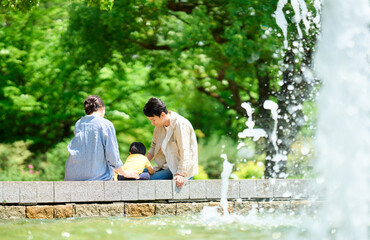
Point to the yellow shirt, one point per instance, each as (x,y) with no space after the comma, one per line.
(136,163)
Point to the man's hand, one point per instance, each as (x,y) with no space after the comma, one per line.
(127,174)
(179,181)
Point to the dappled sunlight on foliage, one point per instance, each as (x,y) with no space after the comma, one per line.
(203,59)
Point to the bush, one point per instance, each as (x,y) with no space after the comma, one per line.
(202,174)
(299,163)
(13,166)
(209,154)
(250,169)
(53,164)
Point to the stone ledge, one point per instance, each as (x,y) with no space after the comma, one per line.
(34,193)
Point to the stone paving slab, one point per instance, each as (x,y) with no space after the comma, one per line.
(182,193)
(28,192)
(45,192)
(96,191)
(112,191)
(130,190)
(62,192)
(11,191)
(264,189)
(300,189)
(147,190)
(247,189)
(214,188)
(198,189)
(163,190)
(233,190)
(282,188)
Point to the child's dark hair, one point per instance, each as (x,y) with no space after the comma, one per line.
(154,107)
(137,148)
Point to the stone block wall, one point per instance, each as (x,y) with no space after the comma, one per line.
(146,198)
(152,208)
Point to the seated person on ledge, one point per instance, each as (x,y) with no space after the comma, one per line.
(174,147)
(137,162)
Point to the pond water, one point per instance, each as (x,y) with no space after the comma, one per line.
(157,227)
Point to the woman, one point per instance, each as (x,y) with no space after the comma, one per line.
(93,152)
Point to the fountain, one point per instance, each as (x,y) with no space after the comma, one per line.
(343,136)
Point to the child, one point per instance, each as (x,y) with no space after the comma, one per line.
(137,162)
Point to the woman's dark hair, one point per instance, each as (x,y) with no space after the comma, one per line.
(137,148)
(154,106)
(92,104)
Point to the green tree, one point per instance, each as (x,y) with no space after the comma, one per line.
(231,51)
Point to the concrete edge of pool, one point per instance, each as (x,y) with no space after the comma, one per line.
(144,198)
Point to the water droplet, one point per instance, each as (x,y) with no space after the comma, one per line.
(66,234)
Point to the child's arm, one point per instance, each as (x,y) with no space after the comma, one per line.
(150,170)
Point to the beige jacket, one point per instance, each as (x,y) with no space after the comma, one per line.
(181,147)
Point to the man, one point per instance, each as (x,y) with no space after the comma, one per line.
(174,147)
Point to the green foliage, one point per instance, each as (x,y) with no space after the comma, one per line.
(250,169)
(209,154)
(102,4)
(53,162)
(13,164)
(20,5)
(202,58)
(300,159)
(202,174)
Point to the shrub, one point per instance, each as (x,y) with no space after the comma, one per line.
(250,169)
(13,166)
(53,164)
(202,174)
(299,163)
(209,154)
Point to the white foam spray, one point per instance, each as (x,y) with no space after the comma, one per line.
(343,136)
(227,169)
(281,21)
(256,133)
(273,107)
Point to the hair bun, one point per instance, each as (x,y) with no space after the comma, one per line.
(92,104)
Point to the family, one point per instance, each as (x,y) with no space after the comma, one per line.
(94,153)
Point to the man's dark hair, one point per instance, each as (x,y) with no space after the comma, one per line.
(137,148)
(154,107)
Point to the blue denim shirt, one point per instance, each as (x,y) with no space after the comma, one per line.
(93,152)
